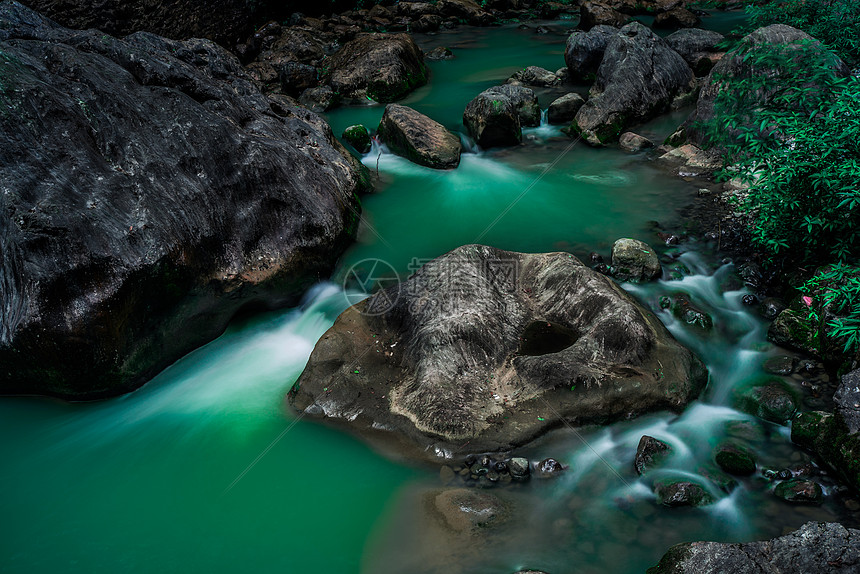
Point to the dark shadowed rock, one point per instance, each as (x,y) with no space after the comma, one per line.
(296,77)
(535,76)
(734,459)
(492,119)
(816,548)
(524,100)
(699,48)
(467,10)
(847,399)
(772,401)
(562,110)
(676,18)
(358,137)
(595,13)
(649,453)
(477,344)
(383,67)
(799,491)
(684,309)
(319,99)
(440,53)
(681,493)
(640,77)
(418,138)
(634,142)
(224,21)
(734,65)
(584,51)
(634,260)
(150,192)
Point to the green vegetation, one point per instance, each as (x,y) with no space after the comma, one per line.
(790,131)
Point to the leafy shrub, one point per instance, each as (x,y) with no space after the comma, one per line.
(834,291)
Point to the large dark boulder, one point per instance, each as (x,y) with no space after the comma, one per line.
(699,48)
(383,67)
(524,100)
(493,120)
(639,78)
(493,348)
(676,18)
(735,66)
(224,21)
(816,548)
(596,13)
(418,138)
(584,50)
(149,193)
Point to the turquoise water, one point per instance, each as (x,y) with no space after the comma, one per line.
(205,469)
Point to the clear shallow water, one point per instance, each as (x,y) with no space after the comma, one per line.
(205,470)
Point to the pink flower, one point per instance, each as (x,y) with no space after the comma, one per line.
(807,300)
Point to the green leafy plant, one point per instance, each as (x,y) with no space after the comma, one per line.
(833,294)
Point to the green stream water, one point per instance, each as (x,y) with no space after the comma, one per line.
(205,469)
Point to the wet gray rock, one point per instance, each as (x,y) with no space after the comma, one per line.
(781,365)
(676,18)
(548,468)
(562,110)
(639,78)
(383,67)
(649,453)
(524,100)
(634,260)
(684,309)
(847,399)
(536,76)
(584,51)
(440,53)
(519,467)
(477,343)
(418,138)
(296,77)
(634,142)
(698,47)
(596,13)
(319,99)
(150,192)
(735,66)
(772,401)
(492,119)
(817,547)
(674,493)
(735,459)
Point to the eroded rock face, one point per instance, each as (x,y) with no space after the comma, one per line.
(494,348)
(418,138)
(149,192)
(584,50)
(639,77)
(817,547)
(383,67)
(734,65)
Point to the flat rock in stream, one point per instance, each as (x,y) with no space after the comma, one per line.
(418,138)
(148,192)
(816,548)
(493,348)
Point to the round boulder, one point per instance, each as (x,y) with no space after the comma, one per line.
(634,260)
(584,51)
(492,119)
(562,110)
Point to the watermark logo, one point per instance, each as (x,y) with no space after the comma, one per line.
(372,277)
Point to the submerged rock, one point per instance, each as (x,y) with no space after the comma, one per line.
(382,67)
(800,491)
(649,453)
(494,348)
(440,53)
(634,260)
(154,193)
(584,51)
(817,547)
(735,459)
(562,110)
(465,511)
(492,119)
(418,138)
(639,77)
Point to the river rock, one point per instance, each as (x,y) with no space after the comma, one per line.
(676,18)
(440,53)
(634,260)
(684,309)
(535,76)
(793,329)
(649,453)
(382,67)
(358,137)
(492,119)
(640,77)
(634,142)
(735,459)
(595,13)
(681,493)
(418,138)
(562,110)
(456,368)
(519,468)
(549,468)
(584,51)
(772,401)
(296,77)
(800,491)
(150,192)
(319,99)
(466,10)
(735,65)
(780,365)
(224,21)
(847,399)
(524,100)
(816,548)
(699,48)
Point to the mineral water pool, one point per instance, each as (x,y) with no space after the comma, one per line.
(205,469)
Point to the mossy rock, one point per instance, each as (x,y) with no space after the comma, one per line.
(799,491)
(358,137)
(674,493)
(771,400)
(735,459)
